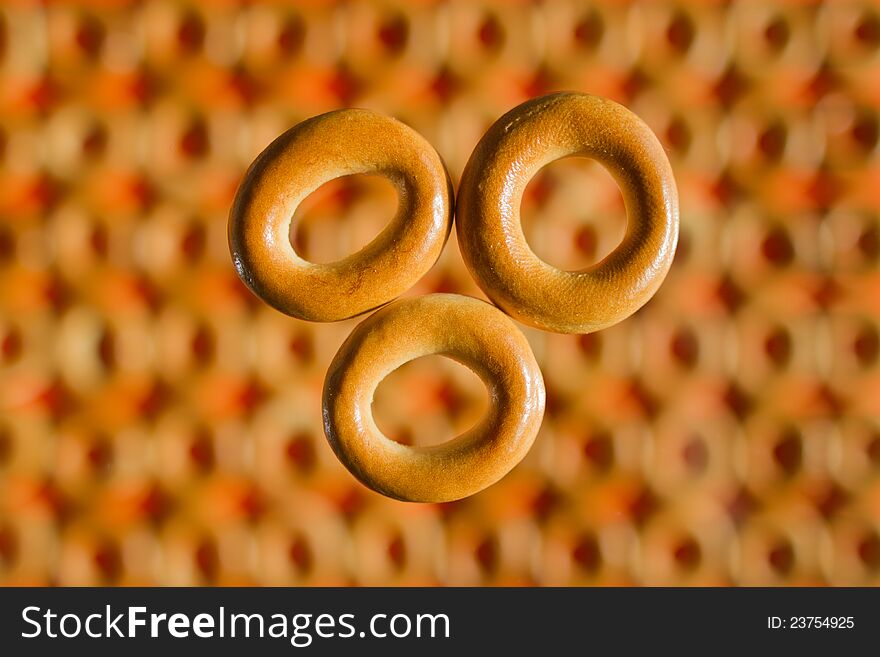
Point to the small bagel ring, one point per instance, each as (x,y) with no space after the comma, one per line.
(488,220)
(470,331)
(301,160)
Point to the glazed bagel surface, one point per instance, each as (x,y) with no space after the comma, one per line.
(322,148)
(490,234)
(467,330)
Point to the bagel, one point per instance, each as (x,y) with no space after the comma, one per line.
(488,213)
(344,142)
(474,333)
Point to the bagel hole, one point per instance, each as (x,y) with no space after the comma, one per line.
(342,216)
(572,213)
(429,401)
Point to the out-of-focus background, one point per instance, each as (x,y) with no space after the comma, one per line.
(161,425)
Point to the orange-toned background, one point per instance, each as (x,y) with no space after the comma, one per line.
(160,425)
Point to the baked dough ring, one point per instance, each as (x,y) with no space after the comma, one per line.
(488,220)
(470,331)
(301,160)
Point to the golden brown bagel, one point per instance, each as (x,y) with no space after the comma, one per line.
(488,220)
(301,160)
(470,331)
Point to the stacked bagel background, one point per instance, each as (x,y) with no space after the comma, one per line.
(160,425)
